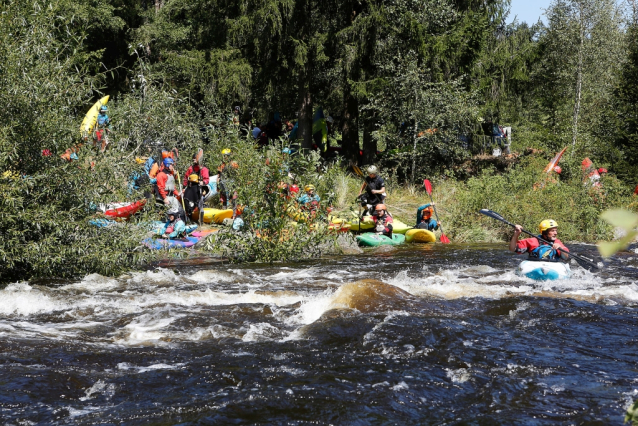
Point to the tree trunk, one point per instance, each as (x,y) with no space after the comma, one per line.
(350,125)
(579,81)
(369,143)
(414,138)
(305,115)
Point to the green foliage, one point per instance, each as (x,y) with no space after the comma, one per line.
(576,207)
(624,220)
(624,119)
(632,414)
(275,227)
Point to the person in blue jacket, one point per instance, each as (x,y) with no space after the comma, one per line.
(174,226)
(424,218)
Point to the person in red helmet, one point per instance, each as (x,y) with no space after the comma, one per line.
(382,220)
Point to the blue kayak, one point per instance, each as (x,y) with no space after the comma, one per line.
(163,244)
(544,271)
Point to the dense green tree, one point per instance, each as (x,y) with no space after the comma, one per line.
(625,117)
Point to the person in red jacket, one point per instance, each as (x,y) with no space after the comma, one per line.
(199,170)
(537,249)
(382,221)
(166,188)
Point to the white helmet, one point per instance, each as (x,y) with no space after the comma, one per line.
(372,170)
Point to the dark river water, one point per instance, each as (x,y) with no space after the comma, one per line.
(427,334)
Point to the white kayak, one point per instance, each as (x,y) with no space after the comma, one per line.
(543,271)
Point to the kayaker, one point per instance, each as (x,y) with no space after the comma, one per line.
(166,192)
(226,172)
(382,220)
(103,125)
(201,171)
(424,218)
(374,187)
(309,202)
(174,226)
(539,250)
(309,196)
(238,222)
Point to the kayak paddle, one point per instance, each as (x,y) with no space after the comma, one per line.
(428,189)
(590,266)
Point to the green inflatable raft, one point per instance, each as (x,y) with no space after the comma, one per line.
(370,239)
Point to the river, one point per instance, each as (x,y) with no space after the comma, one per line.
(430,334)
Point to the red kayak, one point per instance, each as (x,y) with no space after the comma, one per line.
(126,211)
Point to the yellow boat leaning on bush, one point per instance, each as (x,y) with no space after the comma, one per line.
(213,215)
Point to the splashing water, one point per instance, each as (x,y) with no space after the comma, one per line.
(406,335)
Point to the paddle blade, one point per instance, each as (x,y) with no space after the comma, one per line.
(428,186)
(200,156)
(445,239)
(492,214)
(357,170)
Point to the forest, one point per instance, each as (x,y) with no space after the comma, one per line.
(408,85)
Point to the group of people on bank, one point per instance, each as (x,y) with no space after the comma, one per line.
(372,196)
(185,200)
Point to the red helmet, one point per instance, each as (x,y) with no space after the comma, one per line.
(558,169)
(427,213)
(294,189)
(380,207)
(602,170)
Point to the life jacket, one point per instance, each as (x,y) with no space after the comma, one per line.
(544,252)
(148,165)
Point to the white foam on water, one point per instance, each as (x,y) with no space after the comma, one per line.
(312,308)
(262,332)
(125,366)
(157,277)
(22,299)
(92,283)
(211,276)
(460,375)
(99,388)
(487,282)
(294,275)
(147,329)
(401,386)
(86,409)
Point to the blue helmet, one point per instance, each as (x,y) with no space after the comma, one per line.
(286,151)
(168,162)
(104,108)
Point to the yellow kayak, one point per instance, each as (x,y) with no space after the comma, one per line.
(91,117)
(420,236)
(213,215)
(398,227)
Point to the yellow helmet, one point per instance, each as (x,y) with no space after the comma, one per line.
(309,188)
(226,151)
(547,224)
(193,178)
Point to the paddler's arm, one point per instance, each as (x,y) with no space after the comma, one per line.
(562,250)
(362,187)
(514,241)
